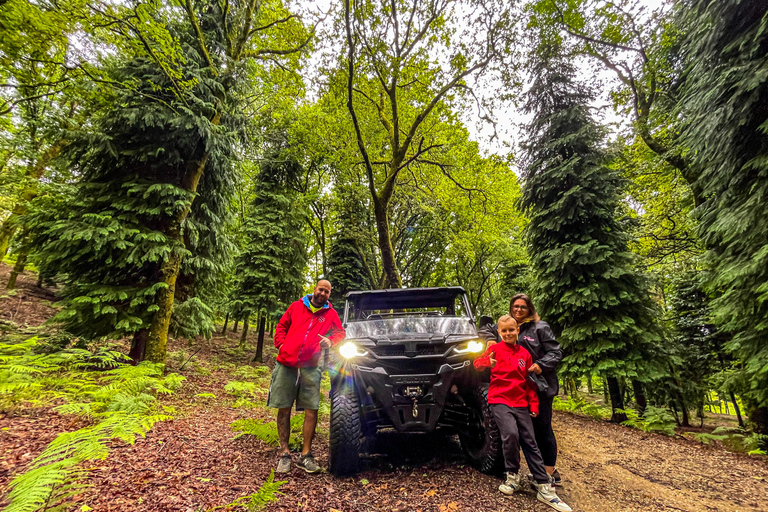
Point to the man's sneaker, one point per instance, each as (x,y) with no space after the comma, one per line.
(308,464)
(284,464)
(547,495)
(511,484)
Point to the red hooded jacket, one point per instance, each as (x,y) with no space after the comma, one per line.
(297,335)
(509,384)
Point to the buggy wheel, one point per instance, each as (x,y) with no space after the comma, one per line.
(482,444)
(345,431)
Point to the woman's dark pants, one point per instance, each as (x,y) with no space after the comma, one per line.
(545,437)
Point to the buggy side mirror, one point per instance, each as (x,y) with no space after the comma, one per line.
(484,320)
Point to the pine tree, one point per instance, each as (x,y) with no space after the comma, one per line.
(724,102)
(585,283)
(270,269)
(346,267)
(118,244)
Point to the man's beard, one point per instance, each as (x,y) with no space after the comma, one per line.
(316,302)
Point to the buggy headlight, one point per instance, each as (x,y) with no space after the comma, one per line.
(472,347)
(350,350)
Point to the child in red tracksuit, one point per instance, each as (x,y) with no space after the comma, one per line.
(513,400)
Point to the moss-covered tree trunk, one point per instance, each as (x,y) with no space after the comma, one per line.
(157,339)
(18,268)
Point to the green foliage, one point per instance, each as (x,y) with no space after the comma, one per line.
(119,398)
(737,440)
(258,500)
(266,431)
(653,419)
(581,406)
(724,103)
(108,242)
(587,287)
(270,269)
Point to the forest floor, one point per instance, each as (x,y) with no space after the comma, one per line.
(194,463)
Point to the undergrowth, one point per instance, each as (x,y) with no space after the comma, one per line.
(119,400)
(736,439)
(267,430)
(259,499)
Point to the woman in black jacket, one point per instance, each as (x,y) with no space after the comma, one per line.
(536,336)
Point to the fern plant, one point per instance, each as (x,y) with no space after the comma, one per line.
(258,500)
(736,439)
(267,431)
(120,399)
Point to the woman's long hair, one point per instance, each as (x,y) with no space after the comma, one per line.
(532,315)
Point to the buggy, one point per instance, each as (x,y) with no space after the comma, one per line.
(406,365)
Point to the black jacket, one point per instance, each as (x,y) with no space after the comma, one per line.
(538,339)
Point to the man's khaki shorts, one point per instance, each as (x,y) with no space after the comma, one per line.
(300,385)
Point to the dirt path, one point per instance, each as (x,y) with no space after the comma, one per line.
(610,467)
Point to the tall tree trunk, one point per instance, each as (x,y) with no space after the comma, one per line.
(686,418)
(758,417)
(18,268)
(606,398)
(736,408)
(157,340)
(589,385)
(234,329)
(617,400)
(385,246)
(139,345)
(640,399)
(244,335)
(226,321)
(260,345)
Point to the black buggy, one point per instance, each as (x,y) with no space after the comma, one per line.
(406,364)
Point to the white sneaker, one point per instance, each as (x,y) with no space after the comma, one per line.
(547,495)
(511,485)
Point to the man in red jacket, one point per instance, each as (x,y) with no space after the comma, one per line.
(307,327)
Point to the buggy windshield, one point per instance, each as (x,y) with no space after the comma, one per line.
(409,324)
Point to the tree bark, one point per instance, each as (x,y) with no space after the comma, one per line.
(617,400)
(139,345)
(259,357)
(244,335)
(385,246)
(157,340)
(18,268)
(736,408)
(640,399)
(226,321)
(234,329)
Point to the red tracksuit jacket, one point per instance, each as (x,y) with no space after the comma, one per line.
(297,335)
(509,385)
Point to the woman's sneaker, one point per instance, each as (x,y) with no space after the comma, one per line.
(547,495)
(511,484)
(555,479)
